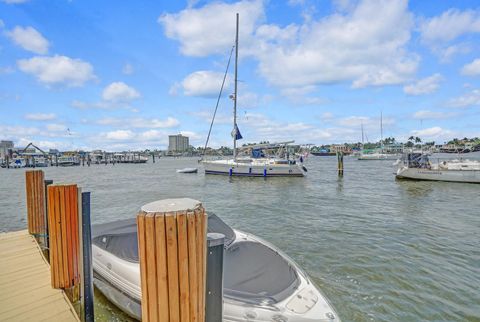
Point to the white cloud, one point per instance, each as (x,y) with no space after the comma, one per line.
(211,29)
(431,133)
(450,25)
(2,24)
(119,92)
(29,39)
(128,69)
(425,115)
(423,86)
(447,53)
(54,127)
(366,46)
(119,135)
(6,70)
(169,122)
(15,1)
(203,83)
(472,69)
(327,116)
(40,116)
(57,70)
(466,100)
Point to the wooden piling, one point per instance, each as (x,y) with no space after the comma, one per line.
(171,241)
(340,163)
(63,230)
(35,195)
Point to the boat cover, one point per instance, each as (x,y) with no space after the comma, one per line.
(254,271)
(120,237)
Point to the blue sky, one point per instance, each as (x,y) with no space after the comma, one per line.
(123,75)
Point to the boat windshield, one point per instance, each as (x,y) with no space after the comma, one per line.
(417,160)
(120,237)
(257,273)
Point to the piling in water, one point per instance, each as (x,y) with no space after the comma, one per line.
(340,163)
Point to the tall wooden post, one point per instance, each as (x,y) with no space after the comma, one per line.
(35,192)
(63,229)
(172,255)
(340,162)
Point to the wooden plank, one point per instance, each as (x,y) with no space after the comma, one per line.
(183,266)
(200,264)
(143,264)
(192,266)
(151,267)
(28,194)
(172,264)
(52,234)
(75,251)
(162,271)
(63,249)
(68,237)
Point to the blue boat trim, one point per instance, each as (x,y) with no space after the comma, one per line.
(253,174)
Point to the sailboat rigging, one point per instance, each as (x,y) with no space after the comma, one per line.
(253,160)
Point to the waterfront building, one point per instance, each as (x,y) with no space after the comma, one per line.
(178,143)
(4,147)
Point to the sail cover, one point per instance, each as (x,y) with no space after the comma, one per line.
(236,133)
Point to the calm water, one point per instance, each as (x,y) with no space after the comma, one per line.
(380,249)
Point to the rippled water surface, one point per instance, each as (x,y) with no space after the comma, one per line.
(380,249)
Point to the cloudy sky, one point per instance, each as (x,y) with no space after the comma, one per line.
(123,75)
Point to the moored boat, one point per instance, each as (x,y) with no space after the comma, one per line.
(418,166)
(260,282)
(256,163)
(188,170)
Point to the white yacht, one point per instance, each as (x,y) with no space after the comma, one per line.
(257,164)
(418,166)
(260,282)
(259,160)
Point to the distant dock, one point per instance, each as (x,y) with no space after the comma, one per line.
(25,287)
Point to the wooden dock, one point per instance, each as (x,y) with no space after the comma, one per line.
(25,285)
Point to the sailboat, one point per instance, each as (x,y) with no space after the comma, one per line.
(255,163)
(377,155)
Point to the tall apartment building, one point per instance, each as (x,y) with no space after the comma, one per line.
(4,147)
(178,143)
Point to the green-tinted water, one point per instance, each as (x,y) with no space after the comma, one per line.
(380,249)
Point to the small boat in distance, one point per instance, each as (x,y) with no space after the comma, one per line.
(188,170)
(418,166)
(258,163)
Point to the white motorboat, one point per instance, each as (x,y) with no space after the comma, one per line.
(68,161)
(188,170)
(257,164)
(18,163)
(418,166)
(373,156)
(260,282)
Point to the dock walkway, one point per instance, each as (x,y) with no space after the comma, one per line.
(25,288)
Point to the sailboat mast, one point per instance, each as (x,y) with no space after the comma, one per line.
(235,128)
(381,129)
(363,141)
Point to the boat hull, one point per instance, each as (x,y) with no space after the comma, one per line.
(253,170)
(119,280)
(467,176)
